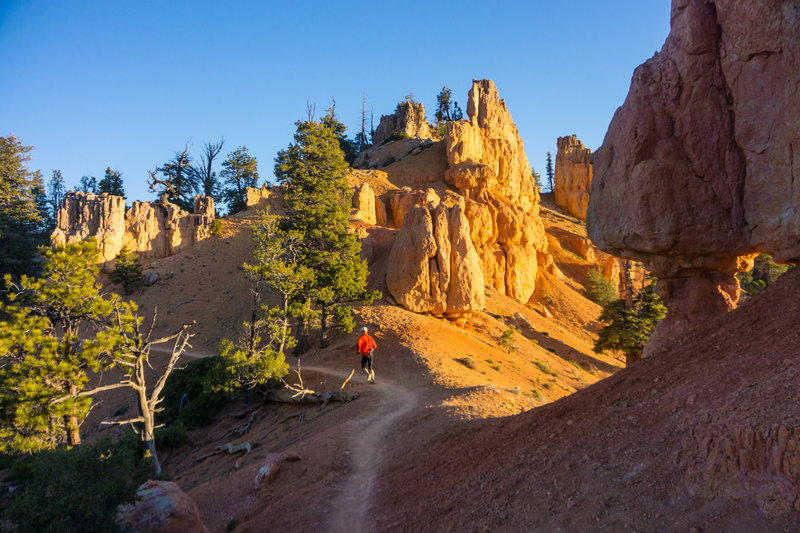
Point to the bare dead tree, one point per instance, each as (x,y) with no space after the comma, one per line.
(310,110)
(363,122)
(131,351)
(204,177)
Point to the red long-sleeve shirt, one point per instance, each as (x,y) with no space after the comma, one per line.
(365,344)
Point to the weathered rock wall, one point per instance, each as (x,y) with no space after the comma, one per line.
(153,229)
(700,166)
(573,176)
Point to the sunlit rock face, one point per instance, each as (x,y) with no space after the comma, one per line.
(408,121)
(153,229)
(700,166)
(573,176)
(487,164)
(433,267)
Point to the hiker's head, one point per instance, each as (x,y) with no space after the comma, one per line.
(363,330)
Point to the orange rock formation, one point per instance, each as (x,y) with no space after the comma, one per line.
(573,176)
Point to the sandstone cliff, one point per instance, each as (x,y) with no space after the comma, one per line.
(153,229)
(700,166)
(573,176)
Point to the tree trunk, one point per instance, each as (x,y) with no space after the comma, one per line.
(72,423)
(323,341)
(302,337)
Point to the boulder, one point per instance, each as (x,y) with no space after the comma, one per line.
(699,168)
(433,266)
(573,176)
(364,204)
(161,508)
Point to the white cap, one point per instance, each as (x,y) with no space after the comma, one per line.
(364,328)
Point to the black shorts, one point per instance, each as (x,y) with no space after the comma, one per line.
(366,362)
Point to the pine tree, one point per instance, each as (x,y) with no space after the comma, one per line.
(21,211)
(239,171)
(549,170)
(43,355)
(111,183)
(177,180)
(627,327)
(446,108)
(317,198)
(87,184)
(56,191)
(127,271)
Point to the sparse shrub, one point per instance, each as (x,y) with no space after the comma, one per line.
(216,226)
(551,350)
(546,369)
(76,489)
(600,289)
(127,271)
(506,340)
(468,362)
(536,393)
(497,367)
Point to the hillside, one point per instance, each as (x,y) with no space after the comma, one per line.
(701,437)
(436,445)
(424,387)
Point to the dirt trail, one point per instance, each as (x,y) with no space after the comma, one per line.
(367,436)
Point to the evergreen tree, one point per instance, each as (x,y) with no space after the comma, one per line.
(111,183)
(549,170)
(56,191)
(43,356)
(627,327)
(446,108)
(537,179)
(177,180)
(350,148)
(317,198)
(239,171)
(127,271)
(88,184)
(21,210)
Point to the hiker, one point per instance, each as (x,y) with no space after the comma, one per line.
(366,345)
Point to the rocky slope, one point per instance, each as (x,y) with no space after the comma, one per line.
(707,143)
(675,442)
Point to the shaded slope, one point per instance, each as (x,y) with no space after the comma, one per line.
(704,435)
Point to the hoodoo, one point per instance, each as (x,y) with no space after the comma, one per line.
(699,169)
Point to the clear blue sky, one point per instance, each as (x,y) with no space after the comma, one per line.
(126,83)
